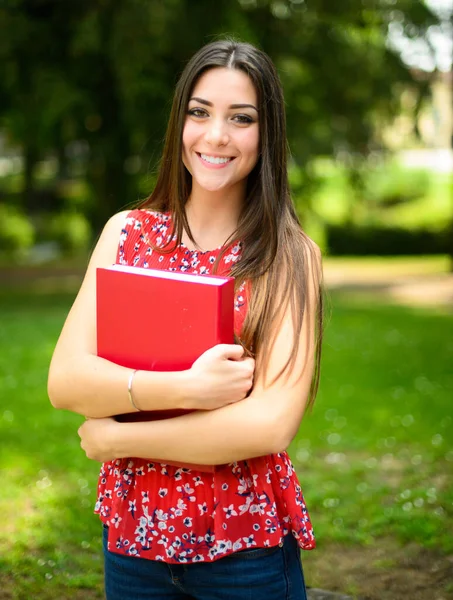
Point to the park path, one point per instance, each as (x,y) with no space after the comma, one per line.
(413,287)
(407,285)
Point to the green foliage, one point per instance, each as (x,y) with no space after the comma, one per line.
(344,240)
(392,209)
(102,73)
(16,232)
(392,184)
(71,231)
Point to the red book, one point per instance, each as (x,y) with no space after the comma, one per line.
(156,320)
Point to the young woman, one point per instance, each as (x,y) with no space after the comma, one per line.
(221,205)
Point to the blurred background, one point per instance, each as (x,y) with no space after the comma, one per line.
(85,92)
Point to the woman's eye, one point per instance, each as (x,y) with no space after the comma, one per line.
(243,119)
(197,112)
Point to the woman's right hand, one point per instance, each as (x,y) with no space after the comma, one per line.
(220,376)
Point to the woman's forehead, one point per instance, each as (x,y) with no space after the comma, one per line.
(225,86)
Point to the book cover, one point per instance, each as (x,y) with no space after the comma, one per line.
(156,320)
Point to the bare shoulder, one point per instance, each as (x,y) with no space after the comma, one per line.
(115,224)
(107,244)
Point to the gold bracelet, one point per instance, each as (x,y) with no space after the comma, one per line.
(129,390)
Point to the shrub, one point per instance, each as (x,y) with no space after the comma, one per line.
(71,231)
(343,240)
(391,184)
(17,234)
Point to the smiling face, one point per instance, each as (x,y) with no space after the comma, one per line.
(221,131)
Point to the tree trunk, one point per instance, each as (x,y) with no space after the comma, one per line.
(30,157)
(113,189)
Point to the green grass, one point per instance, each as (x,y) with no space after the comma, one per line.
(375,457)
(49,543)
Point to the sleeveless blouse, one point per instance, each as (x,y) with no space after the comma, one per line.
(179,515)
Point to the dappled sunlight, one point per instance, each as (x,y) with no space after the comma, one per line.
(358,498)
(374,457)
(36,499)
(42,511)
(367,113)
(409,281)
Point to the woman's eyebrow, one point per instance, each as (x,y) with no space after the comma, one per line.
(243,106)
(207,103)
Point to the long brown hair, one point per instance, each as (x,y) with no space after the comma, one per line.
(277,257)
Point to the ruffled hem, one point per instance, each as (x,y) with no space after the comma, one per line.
(180,515)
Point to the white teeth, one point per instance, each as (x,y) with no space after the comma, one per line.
(215,160)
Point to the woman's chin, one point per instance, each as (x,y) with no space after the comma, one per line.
(213,187)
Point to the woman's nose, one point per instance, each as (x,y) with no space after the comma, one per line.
(217,133)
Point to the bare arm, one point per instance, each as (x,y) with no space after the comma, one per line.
(263,423)
(84,383)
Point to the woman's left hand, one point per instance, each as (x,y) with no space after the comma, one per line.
(98,438)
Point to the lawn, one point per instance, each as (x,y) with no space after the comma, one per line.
(375,457)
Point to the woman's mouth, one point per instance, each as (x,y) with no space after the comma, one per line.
(215,161)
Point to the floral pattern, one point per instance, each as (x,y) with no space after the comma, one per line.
(179,515)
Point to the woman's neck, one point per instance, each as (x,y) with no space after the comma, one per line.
(212,217)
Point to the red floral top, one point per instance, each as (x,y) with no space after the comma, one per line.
(177,515)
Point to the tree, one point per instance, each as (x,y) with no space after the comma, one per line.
(37,94)
(104,70)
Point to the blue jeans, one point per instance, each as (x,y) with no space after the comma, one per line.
(258,574)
